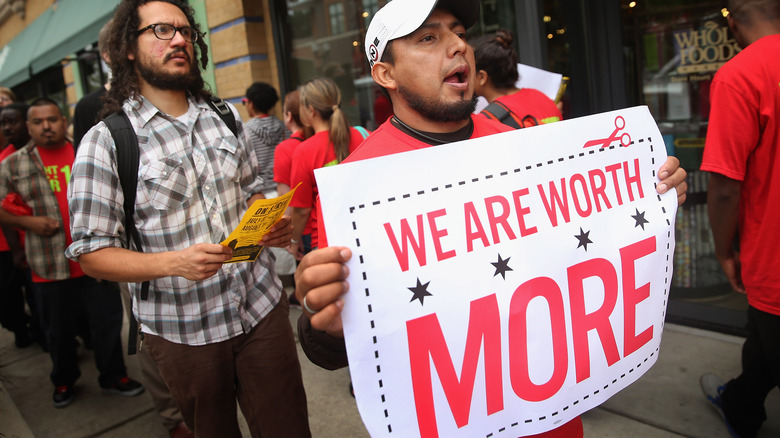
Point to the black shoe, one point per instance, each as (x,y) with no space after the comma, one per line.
(294,301)
(126,387)
(63,396)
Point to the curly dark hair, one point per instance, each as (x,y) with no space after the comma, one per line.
(123,40)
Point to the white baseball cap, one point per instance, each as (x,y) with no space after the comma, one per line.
(399,18)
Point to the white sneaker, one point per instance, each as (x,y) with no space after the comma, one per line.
(712,386)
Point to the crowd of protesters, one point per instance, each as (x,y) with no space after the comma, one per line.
(213,333)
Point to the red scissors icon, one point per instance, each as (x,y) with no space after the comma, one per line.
(625,139)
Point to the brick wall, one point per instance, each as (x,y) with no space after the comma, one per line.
(242,47)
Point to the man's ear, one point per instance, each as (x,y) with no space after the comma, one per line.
(384,75)
(732,23)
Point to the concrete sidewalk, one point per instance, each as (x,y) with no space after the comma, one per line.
(666,402)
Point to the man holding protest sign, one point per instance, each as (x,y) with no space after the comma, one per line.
(418,54)
(741,154)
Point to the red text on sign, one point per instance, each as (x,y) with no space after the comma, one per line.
(427,344)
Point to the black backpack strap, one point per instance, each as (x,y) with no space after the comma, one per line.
(500,112)
(223,110)
(127,165)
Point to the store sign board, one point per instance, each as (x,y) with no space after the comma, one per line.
(507,284)
(705,50)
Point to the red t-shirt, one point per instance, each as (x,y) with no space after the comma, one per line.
(313,153)
(528,101)
(10,149)
(388,140)
(57,163)
(743,141)
(283,156)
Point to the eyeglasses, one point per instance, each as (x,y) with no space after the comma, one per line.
(164,31)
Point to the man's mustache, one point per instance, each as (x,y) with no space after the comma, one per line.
(177,52)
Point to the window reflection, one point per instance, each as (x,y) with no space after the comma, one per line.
(673,49)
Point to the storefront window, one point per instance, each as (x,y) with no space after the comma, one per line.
(556,35)
(48,83)
(325,38)
(673,49)
(94,73)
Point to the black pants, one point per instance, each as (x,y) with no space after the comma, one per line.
(743,399)
(12,314)
(64,301)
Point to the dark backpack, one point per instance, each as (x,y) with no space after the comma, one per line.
(127,165)
(500,112)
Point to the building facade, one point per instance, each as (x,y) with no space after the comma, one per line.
(617,53)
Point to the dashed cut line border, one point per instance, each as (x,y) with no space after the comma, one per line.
(364,273)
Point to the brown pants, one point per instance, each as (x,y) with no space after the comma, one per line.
(163,401)
(260,369)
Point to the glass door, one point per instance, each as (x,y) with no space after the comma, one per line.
(673,49)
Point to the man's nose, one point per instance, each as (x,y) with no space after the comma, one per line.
(178,40)
(456,44)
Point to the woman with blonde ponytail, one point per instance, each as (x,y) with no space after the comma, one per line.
(332,142)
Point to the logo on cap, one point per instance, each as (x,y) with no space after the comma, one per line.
(373,52)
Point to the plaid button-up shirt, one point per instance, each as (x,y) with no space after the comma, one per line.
(22,172)
(194,178)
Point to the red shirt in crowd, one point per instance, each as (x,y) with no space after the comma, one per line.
(313,153)
(57,164)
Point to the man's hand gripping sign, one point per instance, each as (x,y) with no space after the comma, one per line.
(503,285)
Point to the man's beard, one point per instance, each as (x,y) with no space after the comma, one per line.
(158,78)
(437,111)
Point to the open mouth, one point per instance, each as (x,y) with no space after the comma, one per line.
(459,76)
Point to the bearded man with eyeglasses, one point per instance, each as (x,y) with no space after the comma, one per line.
(218,332)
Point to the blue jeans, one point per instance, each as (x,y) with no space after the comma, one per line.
(64,302)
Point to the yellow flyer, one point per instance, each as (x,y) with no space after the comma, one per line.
(258,219)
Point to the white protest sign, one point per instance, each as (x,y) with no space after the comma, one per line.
(502,286)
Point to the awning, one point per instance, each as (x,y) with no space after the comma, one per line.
(15,57)
(73,25)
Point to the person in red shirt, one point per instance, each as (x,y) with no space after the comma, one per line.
(741,154)
(496,78)
(283,154)
(332,141)
(40,173)
(428,70)
(13,271)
